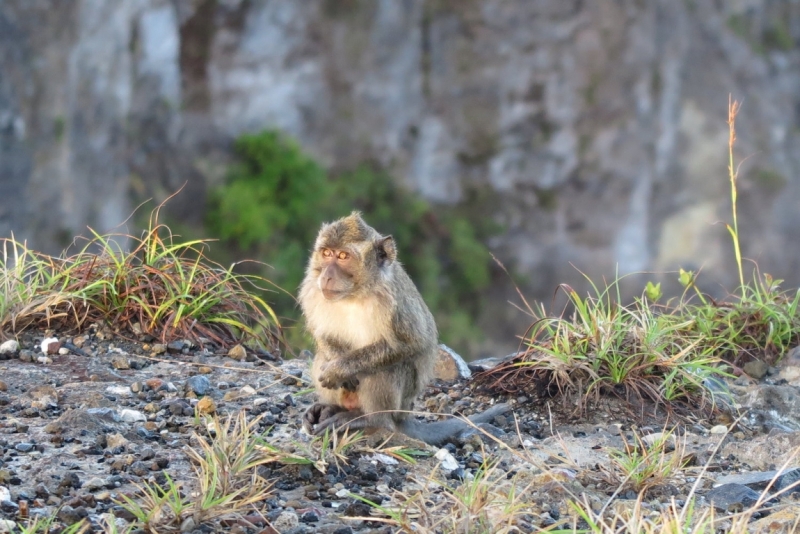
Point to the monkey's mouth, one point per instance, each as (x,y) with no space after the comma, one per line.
(330,294)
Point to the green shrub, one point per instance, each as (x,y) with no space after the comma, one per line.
(276,197)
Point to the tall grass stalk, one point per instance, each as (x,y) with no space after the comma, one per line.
(733,174)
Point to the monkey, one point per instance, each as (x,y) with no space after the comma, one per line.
(376,339)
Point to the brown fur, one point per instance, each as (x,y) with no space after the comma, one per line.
(376,339)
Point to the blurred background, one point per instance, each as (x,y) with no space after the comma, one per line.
(561,136)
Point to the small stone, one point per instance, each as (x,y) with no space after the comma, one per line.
(94,484)
(3,386)
(176,347)
(732,497)
(6,525)
(116,441)
(205,370)
(5,495)
(120,362)
(132,416)
(450,366)
(9,347)
(26,355)
(188,524)
(119,391)
(50,345)
(756,369)
(310,517)
(137,387)
(44,360)
(199,384)
(206,406)
(237,352)
(154,383)
(24,447)
(285,521)
(9,508)
(719,429)
(159,348)
(446,460)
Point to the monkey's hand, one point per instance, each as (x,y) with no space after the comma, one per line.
(319,412)
(334,376)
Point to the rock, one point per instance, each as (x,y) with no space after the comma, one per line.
(732,497)
(446,460)
(718,429)
(784,520)
(486,364)
(199,384)
(789,367)
(756,369)
(285,521)
(50,345)
(760,479)
(9,347)
(237,352)
(44,360)
(6,525)
(450,366)
(5,495)
(116,441)
(119,391)
(132,416)
(3,386)
(24,447)
(206,406)
(159,348)
(120,362)
(25,355)
(176,347)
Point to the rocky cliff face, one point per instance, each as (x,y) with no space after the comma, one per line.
(595,131)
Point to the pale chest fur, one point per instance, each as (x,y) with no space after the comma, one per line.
(358,323)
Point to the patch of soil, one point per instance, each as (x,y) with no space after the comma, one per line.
(80,428)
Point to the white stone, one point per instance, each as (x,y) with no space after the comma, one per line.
(6,525)
(44,360)
(719,429)
(446,460)
(132,416)
(121,391)
(46,341)
(63,351)
(5,495)
(247,391)
(260,400)
(7,347)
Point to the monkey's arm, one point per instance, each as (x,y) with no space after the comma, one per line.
(373,357)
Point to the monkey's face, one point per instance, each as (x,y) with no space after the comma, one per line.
(337,270)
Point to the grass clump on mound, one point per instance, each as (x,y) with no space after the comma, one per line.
(161,287)
(664,354)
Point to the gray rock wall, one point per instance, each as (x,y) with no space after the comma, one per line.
(595,131)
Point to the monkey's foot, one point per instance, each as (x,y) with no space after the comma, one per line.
(319,412)
(341,421)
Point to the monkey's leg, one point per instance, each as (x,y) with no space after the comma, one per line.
(319,412)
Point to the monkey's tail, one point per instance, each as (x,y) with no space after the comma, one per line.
(441,432)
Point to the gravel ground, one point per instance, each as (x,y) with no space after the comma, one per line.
(101,414)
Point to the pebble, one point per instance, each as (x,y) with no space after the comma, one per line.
(159,348)
(3,386)
(50,345)
(5,495)
(132,416)
(729,497)
(6,525)
(24,447)
(206,406)
(446,460)
(199,384)
(176,346)
(115,441)
(237,352)
(285,521)
(119,391)
(120,362)
(719,429)
(154,383)
(9,347)
(26,355)
(44,360)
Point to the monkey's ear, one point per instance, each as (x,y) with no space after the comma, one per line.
(386,250)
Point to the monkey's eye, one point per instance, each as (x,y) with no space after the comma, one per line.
(327,253)
(343,255)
